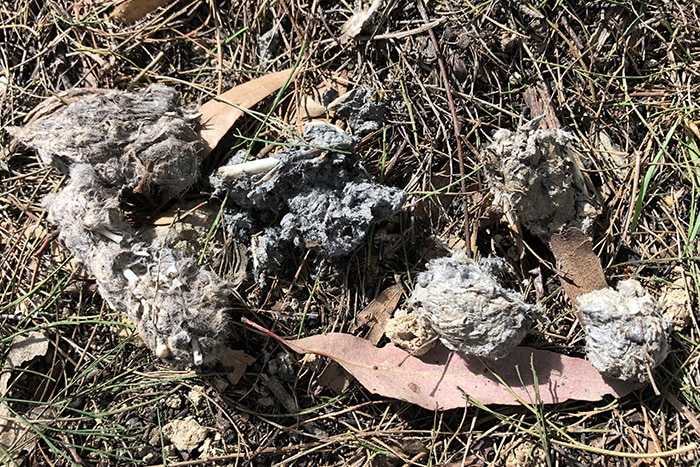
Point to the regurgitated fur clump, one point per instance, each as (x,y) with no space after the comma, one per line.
(535,180)
(317,194)
(466,304)
(118,142)
(127,137)
(626,334)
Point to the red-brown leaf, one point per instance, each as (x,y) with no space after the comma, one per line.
(440,379)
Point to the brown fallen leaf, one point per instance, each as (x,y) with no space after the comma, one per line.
(219,114)
(580,268)
(377,313)
(131,11)
(440,379)
(237,361)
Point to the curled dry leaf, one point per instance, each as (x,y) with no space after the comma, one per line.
(131,11)
(440,379)
(219,114)
(579,266)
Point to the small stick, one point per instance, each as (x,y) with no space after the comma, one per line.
(40,253)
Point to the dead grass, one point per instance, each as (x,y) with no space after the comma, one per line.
(622,76)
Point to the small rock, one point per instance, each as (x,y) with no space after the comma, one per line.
(196,395)
(676,300)
(525,454)
(174,401)
(186,435)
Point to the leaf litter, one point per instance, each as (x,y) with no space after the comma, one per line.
(483,50)
(326,200)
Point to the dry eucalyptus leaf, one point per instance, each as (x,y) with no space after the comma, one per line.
(131,11)
(334,378)
(310,108)
(440,379)
(579,267)
(219,114)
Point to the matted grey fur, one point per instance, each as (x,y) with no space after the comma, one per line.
(124,136)
(534,178)
(111,143)
(318,195)
(467,306)
(626,334)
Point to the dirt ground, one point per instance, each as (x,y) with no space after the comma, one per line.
(621,76)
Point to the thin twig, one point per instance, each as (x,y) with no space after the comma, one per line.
(455,124)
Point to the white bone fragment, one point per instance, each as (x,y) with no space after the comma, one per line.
(250,167)
(197,356)
(141,253)
(162,350)
(116,238)
(172,271)
(130,276)
(176,284)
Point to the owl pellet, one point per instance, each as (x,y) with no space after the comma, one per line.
(626,334)
(465,303)
(535,179)
(114,143)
